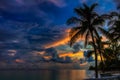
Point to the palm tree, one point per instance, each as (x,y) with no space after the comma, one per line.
(101,50)
(113,33)
(115,30)
(86,24)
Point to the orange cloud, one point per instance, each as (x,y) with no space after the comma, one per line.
(19,61)
(66,39)
(104,38)
(66,54)
(57,43)
(62,41)
(77,55)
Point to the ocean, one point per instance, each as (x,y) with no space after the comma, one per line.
(45,74)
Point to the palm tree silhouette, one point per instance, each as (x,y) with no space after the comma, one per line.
(113,33)
(115,30)
(86,24)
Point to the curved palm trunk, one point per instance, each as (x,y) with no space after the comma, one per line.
(96,67)
(102,62)
(99,48)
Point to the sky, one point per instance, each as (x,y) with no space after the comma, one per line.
(32,27)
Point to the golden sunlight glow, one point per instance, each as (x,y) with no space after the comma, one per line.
(99,59)
(77,55)
(19,61)
(57,43)
(106,46)
(40,53)
(66,40)
(47,57)
(62,41)
(104,38)
(66,54)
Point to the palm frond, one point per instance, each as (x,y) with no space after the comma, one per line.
(84,28)
(111,22)
(94,15)
(107,16)
(96,33)
(74,38)
(73,31)
(79,33)
(98,21)
(85,6)
(79,11)
(104,32)
(116,39)
(115,31)
(93,6)
(86,38)
(73,20)
(114,14)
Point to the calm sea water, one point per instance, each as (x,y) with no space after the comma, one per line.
(45,75)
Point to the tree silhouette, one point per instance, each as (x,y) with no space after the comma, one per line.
(86,24)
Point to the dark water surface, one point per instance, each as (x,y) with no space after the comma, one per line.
(45,75)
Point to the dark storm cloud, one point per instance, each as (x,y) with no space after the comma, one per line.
(77,47)
(12,35)
(43,11)
(44,35)
(27,16)
(51,52)
(30,10)
(18,20)
(6,35)
(40,11)
(19,35)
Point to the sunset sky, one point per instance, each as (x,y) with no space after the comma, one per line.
(32,27)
